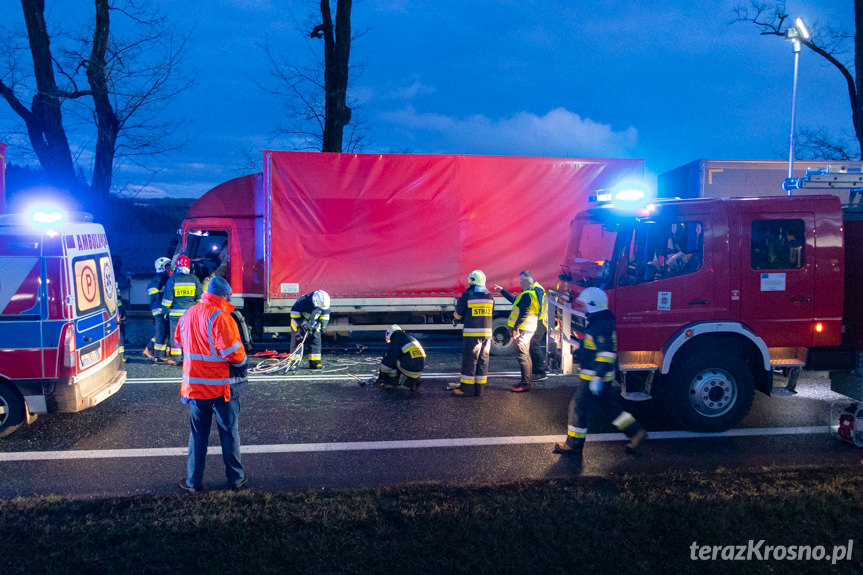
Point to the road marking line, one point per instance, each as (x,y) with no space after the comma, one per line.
(324,376)
(404,444)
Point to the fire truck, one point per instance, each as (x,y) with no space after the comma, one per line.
(59,332)
(716,298)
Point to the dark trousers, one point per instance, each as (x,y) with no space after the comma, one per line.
(584,404)
(537,351)
(311,347)
(159,344)
(474,363)
(228,421)
(522,355)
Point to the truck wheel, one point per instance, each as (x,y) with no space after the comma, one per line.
(11,410)
(501,337)
(710,392)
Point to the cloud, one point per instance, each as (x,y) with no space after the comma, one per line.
(557,133)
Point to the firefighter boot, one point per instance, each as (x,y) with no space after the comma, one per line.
(465,390)
(571,447)
(315,364)
(636,440)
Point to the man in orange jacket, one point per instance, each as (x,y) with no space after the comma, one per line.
(214,372)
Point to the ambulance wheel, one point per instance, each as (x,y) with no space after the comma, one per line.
(501,337)
(710,391)
(11,410)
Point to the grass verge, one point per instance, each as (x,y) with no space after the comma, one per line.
(638,523)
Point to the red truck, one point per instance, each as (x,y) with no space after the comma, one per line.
(715,296)
(391,237)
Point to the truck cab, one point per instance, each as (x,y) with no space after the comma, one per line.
(710,296)
(60,337)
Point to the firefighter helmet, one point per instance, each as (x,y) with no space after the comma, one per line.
(162,264)
(393,328)
(183,261)
(594,299)
(476,278)
(321,299)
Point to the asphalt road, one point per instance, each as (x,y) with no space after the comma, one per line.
(323,430)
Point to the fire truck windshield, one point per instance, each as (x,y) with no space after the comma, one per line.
(589,253)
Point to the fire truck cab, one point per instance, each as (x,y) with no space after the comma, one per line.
(711,296)
(59,332)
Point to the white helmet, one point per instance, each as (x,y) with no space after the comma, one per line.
(321,299)
(476,278)
(393,328)
(162,264)
(594,299)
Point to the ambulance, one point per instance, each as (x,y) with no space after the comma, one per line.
(59,330)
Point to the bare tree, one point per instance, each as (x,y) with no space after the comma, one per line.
(44,118)
(316,93)
(129,82)
(337,52)
(832,45)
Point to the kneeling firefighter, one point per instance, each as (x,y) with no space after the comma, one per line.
(403,361)
(309,316)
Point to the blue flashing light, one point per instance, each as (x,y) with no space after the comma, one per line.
(629,195)
(46,217)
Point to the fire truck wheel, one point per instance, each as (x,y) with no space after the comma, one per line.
(11,410)
(711,391)
(501,337)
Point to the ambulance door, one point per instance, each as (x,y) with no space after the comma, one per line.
(778,277)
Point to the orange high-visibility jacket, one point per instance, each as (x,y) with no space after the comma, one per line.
(211,343)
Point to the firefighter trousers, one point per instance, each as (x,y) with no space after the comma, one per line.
(159,344)
(312,346)
(585,404)
(474,364)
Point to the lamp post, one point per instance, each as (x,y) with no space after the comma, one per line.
(794,34)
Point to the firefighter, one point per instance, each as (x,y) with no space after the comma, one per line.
(215,372)
(182,291)
(310,314)
(403,361)
(157,347)
(523,320)
(474,308)
(597,357)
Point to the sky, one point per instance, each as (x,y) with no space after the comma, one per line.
(667,81)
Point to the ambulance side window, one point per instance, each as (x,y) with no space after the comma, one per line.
(777,244)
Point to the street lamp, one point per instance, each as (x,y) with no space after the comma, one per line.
(795,34)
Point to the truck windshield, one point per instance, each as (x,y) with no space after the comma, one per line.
(589,253)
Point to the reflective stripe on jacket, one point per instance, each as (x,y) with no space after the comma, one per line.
(181,292)
(597,356)
(525,312)
(475,307)
(541,296)
(304,310)
(211,342)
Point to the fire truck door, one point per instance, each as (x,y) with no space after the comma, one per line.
(665,282)
(777,276)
